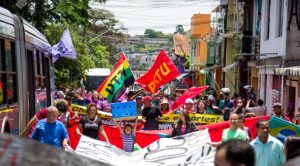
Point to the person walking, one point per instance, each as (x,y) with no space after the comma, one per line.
(50,130)
(268,149)
(90,124)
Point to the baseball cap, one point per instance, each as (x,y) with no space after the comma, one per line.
(189,101)
(277,105)
(147,98)
(139,98)
(165,101)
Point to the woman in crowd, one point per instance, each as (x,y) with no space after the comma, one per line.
(164,106)
(183,126)
(239,107)
(97,99)
(201,107)
(91,124)
(242,126)
(209,108)
(292,148)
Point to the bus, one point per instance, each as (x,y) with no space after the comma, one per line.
(26,72)
(94,77)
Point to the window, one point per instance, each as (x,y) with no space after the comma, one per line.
(280,18)
(8,75)
(268,19)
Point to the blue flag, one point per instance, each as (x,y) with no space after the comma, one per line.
(65,47)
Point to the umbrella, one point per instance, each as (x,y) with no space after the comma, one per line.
(189,93)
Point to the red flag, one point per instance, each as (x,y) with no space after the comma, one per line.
(189,93)
(162,72)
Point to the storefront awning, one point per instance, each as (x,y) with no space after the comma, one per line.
(206,70)
(226,68)
(288,71)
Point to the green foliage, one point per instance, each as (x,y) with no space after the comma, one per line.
(150,33)
(93,47)
(41,12)
(179,29)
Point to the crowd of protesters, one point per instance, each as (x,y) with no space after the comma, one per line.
(49,124)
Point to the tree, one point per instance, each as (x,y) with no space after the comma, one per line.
(150,33)
(179,29)
(41,12)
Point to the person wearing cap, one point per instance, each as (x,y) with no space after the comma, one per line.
(164,106)
(151,114)
(277,111)
(189,105)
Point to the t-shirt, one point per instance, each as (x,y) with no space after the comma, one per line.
(151,114)
(128,141)
(229,134)
(50,133)
(90,127)
(259,110)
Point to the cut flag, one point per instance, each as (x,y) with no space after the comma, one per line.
(162,72)
(65,47)
(115,84)
(281,129)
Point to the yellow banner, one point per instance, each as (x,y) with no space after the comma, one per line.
(196,118)
(6,110)
(81,110)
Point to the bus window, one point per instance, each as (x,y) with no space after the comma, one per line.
(2,58)
(11,89)
(3,100)
(8,75)
(8,57)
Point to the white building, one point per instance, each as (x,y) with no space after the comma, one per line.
(279,54)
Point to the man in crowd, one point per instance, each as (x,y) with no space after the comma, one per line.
(151,114)
(259,110)
(50,130)
(268,150)
(189,105)
(227,105)
(277,111)
(60,104)
(234,152)
(139,105)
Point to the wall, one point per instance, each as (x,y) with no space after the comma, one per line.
(271,45)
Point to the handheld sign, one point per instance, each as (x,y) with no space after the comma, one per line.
(124,110)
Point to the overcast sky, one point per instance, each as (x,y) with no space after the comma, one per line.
(160,15)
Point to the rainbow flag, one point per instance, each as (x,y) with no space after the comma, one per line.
(115,84)
(281,129)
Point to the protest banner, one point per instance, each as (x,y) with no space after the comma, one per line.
(15,151)
(196,118)
(190,149)
(81,110)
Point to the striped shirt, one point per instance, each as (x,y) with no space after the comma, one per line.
(128,141)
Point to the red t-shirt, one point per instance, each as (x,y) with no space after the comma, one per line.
(42,114)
